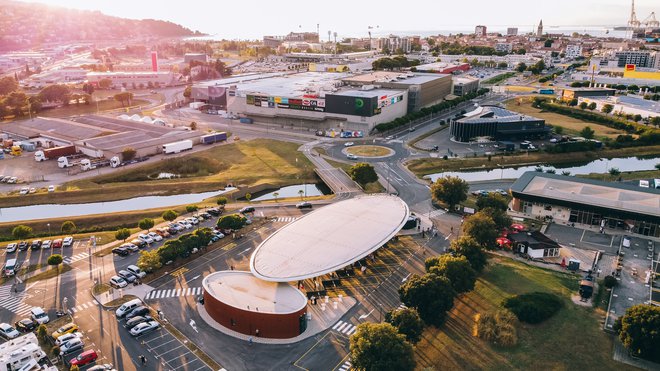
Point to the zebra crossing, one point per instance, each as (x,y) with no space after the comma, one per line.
(72,259)
(89,304)
(345,366)
(173,293)
(345,328)
(286,219)
(437,213)
(13,302)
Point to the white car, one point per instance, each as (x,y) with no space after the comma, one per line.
(12,180)
(389,137)
(8,332)
(185,224)
(554,140)
(146,238)
(33,190)
(67,241)
(192,220)
(24,191)
(118,282)
(12,247)
(51,188)
(130,246)
(348,144)
(72,345)
(351,156)
(144,327)
(68,337)
(46,244)
(155,236)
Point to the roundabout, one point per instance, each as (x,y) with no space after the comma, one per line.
(370,151)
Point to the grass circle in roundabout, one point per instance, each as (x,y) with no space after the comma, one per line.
(370,151)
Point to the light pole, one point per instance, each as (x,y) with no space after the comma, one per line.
(48,224)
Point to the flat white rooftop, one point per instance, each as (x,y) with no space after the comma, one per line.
(244,291)
(329,238)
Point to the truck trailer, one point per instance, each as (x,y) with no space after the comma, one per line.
(87,164)
(51,153)
(176,147)
(214,138)
(64,162)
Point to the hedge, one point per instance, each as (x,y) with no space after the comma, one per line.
(535,307)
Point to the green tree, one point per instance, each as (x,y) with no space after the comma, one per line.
(8,84)
(187,92)
(124,98)
(583,105)
(493,200)
(149,260)
(301,193)
(407,322)
(276,195)
(469,248)
(592,106)
(587,132)
(128,154)
(146,224)
(574,102)
(457,270)
(221,200)
(248,196)
(68,227)
(55,351)
(233,221)
(105,83)
(639,331)
(450,190)
(500,217)
(607,108)
(122,234)
(74,368)
(42,332)
(559,130)
(614,171)
(379,347)
(169,215)
(193,125)
(192,208)
(55,260)
(482,228)
(431,295)
(55,93)
(363,173)
(521,67)
(21,232)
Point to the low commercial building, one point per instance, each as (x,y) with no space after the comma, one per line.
(627,105)
(534,244)
(566,199)
(197,57)
(134,79)
(576,93)
(497,123)
(443,67)
(464,85)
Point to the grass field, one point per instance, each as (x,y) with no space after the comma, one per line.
(369,151)
(625,175)
(571,125)
(571,340)
(82,109)
(499,78)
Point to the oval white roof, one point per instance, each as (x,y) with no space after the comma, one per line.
(329,238)
(242,290)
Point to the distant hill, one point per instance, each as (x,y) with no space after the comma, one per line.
(26,25)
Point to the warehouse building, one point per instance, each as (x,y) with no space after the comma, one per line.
(497,123)
(464,85)
(576,93)
(443,67)
(627,105)
(566,199)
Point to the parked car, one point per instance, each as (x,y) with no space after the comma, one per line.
(127,307)
(118,282)
(37,314)
(162,232)
(247,209)
(67,242)
(192,220)
(128,276)
(12,180)
(304,205)
(351,156)
(68,337)
(135,270)
(23,245)
(72,345)
(46,244)
(84,358)
(144,328)
(51,188)
(121,251)
(35,245)
(348,144)
(138,311)
(130,247)
(57,243)
(103,367)
(66,329)
(206,215)
(214,211)
(136,321)
(155,236)
(176,226)
(25,325)
(185,225)
(12,247)
(139,243)
(146,238)
(8,332)
(24,191)
(172,230)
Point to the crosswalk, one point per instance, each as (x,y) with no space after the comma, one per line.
(286,219)
(437,213)
(173,293)
(345,328)
(12,301)
(89,304)
(75,258)
(345,366)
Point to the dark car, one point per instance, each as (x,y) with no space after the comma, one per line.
(139,243)
(206,216)
(138,311)
(172,230)
(26,325)
(247,209)
(214,211)
(23,245)
(121,251)
(136,321)
(36,244)
(304,205)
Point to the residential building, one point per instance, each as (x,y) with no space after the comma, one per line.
(394,43)
(504,47)
(198,57)
(480,31)
(443,67)
(573,51)
(639,58)
(512,31)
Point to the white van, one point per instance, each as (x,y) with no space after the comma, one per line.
(136,271)
(39,316)
(127,307)
(644,183)
(9,268)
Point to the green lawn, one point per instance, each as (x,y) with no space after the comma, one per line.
(572,339)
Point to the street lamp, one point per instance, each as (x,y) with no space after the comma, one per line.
(48,224)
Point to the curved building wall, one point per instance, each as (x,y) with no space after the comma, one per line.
(464,131)
(270,325)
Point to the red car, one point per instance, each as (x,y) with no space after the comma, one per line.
(84,358)
(57,243)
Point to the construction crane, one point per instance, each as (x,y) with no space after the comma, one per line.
(651,21)
(633,21)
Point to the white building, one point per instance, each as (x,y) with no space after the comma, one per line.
(134,79)
(58,76)
(504,47)
(626,105)
(573,51)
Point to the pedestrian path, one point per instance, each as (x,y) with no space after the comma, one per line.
(89,304)
(345,328)
(345,367)
(72,259)
(173,293)
(286,219)
(12,301)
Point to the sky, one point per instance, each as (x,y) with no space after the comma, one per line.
(254,18)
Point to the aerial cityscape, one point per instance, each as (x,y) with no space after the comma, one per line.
(438,186)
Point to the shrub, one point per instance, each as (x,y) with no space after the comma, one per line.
(498,327)
(535,307)
(192,208)
(609,281)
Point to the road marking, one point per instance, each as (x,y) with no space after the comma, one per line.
(172,293)
(366,315)
(344,327)
(72,259)
(286,219)
(13,301)
(345,367)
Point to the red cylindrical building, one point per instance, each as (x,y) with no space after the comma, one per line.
(243,303)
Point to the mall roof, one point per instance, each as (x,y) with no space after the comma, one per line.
(406,78)
(611,195)
(329,238)
(242,290)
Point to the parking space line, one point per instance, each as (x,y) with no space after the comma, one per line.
(186,364)
(161,354)
(165,343)
(156,338)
